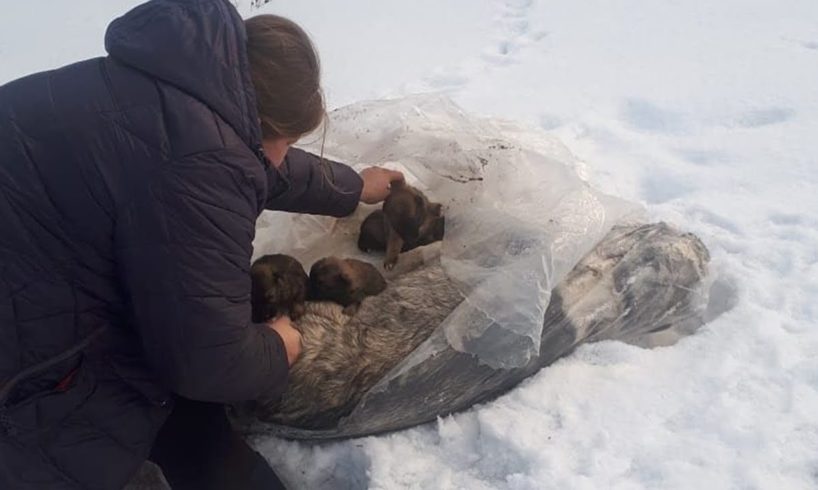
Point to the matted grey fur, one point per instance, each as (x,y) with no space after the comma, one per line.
(639,280)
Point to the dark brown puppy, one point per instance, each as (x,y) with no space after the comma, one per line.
(344,281)
(373,233)
(408,220)
(279,287)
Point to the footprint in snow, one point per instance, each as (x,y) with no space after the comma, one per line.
(659,188)
(704,158)
(764,117)
(647,116)
(813,45)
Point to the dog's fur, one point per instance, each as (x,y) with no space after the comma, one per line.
(344,281)
(408,220)
(646,277)
(342,356)
(279,287)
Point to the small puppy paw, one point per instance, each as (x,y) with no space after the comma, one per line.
(390,264)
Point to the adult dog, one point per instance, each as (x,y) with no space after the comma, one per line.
(639,280)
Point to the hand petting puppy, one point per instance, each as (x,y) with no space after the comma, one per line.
(377,183)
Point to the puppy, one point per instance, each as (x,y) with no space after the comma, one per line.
(372,237)
(279,286)
(344,281)
(408,220)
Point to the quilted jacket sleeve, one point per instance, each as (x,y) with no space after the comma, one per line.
(305,184)
(184,246)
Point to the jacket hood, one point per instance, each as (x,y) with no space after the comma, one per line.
(198,46)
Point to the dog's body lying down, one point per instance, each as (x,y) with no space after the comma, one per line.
(344,356)
(638,281)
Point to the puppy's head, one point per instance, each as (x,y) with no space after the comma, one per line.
(279,283)
(344,281)
(406,209)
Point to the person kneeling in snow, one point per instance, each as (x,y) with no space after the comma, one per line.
(129,190)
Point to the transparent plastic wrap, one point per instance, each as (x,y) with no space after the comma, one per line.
(534,261)
(518,217)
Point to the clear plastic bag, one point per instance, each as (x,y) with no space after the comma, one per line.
(518,216)
(542,262)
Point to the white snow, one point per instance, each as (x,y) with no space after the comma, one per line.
(707,113)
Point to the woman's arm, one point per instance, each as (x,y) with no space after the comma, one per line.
(183,247)
(302,184)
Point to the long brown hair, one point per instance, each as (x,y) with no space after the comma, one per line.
(286,74)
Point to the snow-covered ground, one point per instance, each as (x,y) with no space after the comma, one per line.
(705,111)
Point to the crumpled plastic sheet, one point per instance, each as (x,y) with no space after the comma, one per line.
(518,215)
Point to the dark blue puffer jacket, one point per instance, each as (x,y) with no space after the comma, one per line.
(129,190)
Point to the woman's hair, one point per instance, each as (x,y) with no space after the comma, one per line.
(286,75)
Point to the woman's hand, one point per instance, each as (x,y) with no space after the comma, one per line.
(291,337)
(377,182)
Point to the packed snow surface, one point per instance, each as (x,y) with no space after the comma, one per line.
(705,112)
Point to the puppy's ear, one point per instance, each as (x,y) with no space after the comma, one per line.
(260,272)
(436,209)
